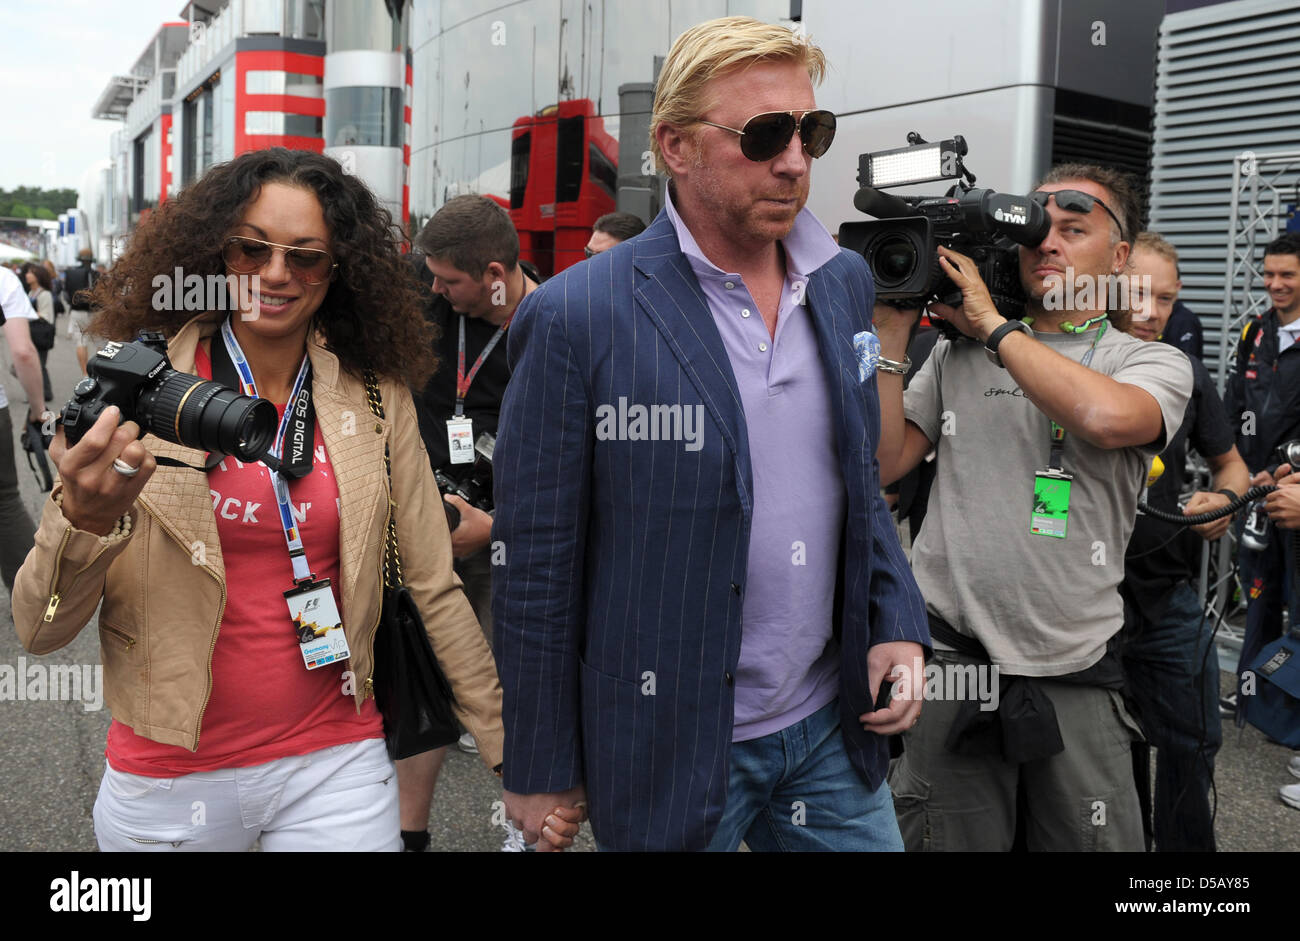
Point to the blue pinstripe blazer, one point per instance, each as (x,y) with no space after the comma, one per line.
(617,612)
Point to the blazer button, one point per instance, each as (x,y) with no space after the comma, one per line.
(735,588)
(729,679)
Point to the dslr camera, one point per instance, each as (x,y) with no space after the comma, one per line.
(197,413)
(901,246)
(475,487)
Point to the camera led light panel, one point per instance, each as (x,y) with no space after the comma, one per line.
(912,165)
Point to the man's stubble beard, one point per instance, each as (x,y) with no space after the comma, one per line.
(735,218)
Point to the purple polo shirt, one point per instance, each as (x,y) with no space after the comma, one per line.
(789,665)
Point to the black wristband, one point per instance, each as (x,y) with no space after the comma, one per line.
(1233,497)
(997,336)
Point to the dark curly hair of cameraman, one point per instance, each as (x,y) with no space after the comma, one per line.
(372,316)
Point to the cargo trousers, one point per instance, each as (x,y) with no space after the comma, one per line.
(1081,799)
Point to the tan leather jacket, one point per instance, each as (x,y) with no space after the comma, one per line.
(164,588)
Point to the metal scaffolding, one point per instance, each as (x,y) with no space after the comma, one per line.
(1263,185)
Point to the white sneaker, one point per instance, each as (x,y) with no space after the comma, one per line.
(467,744)
(514,840)
(1290,794)
(1294,766)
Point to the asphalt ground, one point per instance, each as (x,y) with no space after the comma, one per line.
(52,753)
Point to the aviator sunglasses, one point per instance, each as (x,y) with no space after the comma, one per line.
(245,255)
(1076,201)
(766,135)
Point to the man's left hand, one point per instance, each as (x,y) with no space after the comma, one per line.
(1202,502)
(976,316)
(475,529)
(887,663)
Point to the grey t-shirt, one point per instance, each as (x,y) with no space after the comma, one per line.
(1040,605)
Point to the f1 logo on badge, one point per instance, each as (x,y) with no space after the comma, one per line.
(311,605)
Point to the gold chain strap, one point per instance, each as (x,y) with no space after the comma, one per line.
(392,558)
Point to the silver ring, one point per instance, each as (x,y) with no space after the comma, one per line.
(123,468)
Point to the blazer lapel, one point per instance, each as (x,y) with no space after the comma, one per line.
(834,328)
(670,295)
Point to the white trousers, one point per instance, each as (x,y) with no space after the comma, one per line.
(340,798)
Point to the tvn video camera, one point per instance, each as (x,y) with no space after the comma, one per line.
(901,245)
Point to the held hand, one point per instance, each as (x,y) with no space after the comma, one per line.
(1283,506)
(976,316)
(886,663)
(1203,502)
(561,827)
(532,813)
(95,495)
(474,531)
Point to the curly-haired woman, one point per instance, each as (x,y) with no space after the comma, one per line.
(221,732)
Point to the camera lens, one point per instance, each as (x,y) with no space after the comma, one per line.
(207,416)
(892,260)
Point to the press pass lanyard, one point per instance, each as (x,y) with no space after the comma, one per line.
(462,380)
(297,412)
(1051,510)
(460,429)
(312,606)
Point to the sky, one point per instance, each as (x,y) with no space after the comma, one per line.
(55,58)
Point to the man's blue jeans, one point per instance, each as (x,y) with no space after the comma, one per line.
(795,790)
(1179,700)
(1266,579)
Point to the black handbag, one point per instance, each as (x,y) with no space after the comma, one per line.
(42,333)
(411,691)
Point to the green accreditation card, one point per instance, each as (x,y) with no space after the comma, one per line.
(1051,503)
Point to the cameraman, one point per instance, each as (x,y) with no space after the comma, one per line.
(1021,553)
(471,262)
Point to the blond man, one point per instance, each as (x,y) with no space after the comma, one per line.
(702,591)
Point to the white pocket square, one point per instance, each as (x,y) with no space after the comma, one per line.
(866,345)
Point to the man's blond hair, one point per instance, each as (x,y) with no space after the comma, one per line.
(713,48)
(1155,243)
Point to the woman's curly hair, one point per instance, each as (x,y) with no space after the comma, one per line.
(372,315)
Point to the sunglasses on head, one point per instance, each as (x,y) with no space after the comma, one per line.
(245,255)
(1075,201)
(765,135)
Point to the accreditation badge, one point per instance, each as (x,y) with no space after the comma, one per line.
(460,440)
(1051,503)
(316,621)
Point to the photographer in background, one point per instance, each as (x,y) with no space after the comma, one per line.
(471,263)
(1044,436)
(1168,648)
(1263,401)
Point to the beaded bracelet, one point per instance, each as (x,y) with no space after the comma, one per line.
(121,527)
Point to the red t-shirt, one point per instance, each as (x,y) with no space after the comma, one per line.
(265,703)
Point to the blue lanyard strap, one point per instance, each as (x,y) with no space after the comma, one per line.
(297,555)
